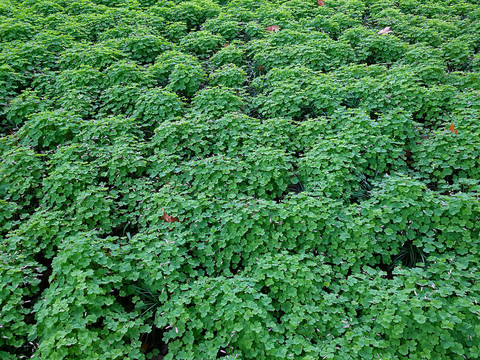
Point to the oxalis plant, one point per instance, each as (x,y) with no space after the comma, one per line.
(202,179)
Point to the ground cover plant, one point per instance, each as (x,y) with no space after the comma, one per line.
(239,179)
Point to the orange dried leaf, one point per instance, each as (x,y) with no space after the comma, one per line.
(225,45)
(273,28)
(452,129)
(320,2)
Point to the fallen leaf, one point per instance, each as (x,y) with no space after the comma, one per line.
(385,31)
(452,129)
(320,2)
(168,218)
(225,45)
(273,28)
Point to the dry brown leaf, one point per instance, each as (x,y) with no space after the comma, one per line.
(385,31)
(273,28)
(168,218)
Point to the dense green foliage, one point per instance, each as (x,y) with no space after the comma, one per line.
(325,179)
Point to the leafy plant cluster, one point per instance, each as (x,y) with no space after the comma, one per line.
(239,179)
